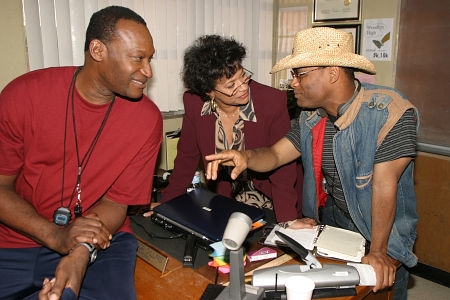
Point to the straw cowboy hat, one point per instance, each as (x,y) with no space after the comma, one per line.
(324,46)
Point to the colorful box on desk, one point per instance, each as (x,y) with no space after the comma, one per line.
(263,253)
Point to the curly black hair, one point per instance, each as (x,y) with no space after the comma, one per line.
(209,59)
(103,22)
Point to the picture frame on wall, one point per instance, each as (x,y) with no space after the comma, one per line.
(354,29)
(336,10)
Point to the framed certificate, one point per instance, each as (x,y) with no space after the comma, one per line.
(333,10)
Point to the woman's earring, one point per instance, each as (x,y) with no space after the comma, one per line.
(213,105)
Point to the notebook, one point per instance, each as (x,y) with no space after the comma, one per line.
(203,213)
(328,241)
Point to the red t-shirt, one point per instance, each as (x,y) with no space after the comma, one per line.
(32,118)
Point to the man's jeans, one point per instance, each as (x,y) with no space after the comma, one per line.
(111,276)
(332,215)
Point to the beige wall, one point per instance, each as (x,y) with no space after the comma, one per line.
(369,10)
(13,57)
(378,10)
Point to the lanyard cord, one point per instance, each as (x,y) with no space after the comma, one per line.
(88,153)
(65,133)
(90,150)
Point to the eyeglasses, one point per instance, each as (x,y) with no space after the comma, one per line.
(300,75)
(245,78)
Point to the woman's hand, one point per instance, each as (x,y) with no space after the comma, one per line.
(302,223)
(47,285)
(150,212)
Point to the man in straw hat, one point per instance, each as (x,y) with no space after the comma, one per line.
(357,143)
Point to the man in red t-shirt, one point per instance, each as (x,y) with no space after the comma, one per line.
(78,145)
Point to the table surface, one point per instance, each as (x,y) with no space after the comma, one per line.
(179,283)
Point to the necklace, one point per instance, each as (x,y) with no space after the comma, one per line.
(225,115)
(62,215)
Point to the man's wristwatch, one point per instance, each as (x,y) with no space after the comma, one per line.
(92,251)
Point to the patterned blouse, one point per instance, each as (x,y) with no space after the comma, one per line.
(243,188)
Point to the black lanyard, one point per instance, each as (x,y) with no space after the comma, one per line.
(81,164)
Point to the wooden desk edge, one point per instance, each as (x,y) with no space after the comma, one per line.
(186,283)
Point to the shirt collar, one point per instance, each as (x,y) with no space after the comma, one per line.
(343,107)
(246,112)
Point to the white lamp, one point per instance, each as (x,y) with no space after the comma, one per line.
(238,226)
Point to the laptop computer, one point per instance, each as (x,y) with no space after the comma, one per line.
(203,213)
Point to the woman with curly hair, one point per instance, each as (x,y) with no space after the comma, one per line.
(226,109)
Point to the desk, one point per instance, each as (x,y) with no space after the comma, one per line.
(185,283)
(179,283)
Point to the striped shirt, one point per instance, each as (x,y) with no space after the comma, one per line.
(243,188)
(399,142)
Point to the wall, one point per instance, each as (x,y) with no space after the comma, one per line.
(13,57)
(423,68)
(381,9)
(369,10)
(423,74)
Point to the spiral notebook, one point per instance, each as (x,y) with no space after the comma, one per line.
(327,241)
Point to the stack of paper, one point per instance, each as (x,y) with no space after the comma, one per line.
(305,236)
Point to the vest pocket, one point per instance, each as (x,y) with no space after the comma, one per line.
(363,181)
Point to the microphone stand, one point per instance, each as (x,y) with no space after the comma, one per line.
(238,290)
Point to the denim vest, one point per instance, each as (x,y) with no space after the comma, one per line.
(362,128)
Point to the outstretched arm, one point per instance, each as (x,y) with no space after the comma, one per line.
(384,198)
(260,159)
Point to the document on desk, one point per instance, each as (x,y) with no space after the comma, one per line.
(305,237)
(367,276)
(329,241)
